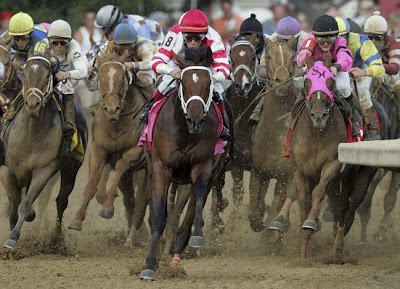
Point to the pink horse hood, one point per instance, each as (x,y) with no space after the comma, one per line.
(318,75)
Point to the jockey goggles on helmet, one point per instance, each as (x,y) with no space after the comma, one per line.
(325,39)
(377,37)
(22,37)
(194,36)
(59,42)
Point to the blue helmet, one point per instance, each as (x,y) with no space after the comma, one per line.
(287,27)
(125,33)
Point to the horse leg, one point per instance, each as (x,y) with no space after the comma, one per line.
(101,193)
(171,230)
(39,180)
(257,203)
(278,200)
(14,197)
(238,190)
(44,197)
(387,224)
(161,179)
(97,161)
(365,208)
(219,203)
(304,198)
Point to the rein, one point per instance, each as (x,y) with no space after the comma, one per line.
(185,104)
(41,95)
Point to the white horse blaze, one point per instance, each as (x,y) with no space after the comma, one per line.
(110,77)
(34,67)
(242,53)
(195,78)
(245,80)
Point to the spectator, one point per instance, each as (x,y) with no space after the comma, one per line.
(162,18)
(305,24)
(5,17)
(88,35)
(229,23)
(394,24)
(367,8)
(279,11)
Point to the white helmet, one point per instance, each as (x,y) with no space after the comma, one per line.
(375,24)
(108,16)
(59,29)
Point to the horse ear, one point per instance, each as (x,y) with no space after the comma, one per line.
(328,59)
(253,38)
(182,61)
(100,59)
(124,57)
(208,56)
(231,39)
(268,43)
(292,42)
(309,62)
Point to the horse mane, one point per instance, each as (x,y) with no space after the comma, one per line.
(112,56)
(326,60)
(201,56)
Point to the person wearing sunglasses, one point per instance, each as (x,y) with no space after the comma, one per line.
(22,35)
(367,63)
(192,33)
(139,52)
(286,28)
(376,29)
(69,65)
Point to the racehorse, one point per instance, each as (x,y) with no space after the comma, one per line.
(245,88)
(113,143)
(270,133)
(10,84)
(183,151)
(35,147)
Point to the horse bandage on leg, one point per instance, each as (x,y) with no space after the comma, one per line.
(175,260)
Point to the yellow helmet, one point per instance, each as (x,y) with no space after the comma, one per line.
(20,24)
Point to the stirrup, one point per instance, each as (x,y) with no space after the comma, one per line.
(225,134)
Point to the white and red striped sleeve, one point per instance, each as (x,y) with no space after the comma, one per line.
(221,67)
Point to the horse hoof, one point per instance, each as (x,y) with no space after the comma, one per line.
(197,242)
(75,225)
(11,244)
(106,213)
(31,216)
(327,216)
(148,274)
(310,225)
(257,226)
(276,226)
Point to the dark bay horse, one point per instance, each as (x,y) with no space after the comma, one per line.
(245,88)
(184,138)
(318,132)
(267,160)
(113,143)
(34,147)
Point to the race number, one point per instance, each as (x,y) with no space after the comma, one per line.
(40,48)
(169,41)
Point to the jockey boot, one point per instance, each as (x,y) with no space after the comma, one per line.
(69,122)
(145,115)
(218,99)
(255,115)
(356,125)
(13,108)
(372,125)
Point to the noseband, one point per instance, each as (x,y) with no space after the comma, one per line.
(43,96)
(185,104)
(252,74)
(282,64)
(119,95)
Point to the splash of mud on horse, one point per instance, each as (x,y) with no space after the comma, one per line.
(38,124)
(185,154)
(113,143)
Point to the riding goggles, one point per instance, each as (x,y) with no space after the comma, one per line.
(376,37)
(326,39)
(59,42)
(22,37)
(193,36)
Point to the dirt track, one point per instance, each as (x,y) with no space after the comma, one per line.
(240,258)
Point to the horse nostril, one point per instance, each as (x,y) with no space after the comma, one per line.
(118,108)
(247,86)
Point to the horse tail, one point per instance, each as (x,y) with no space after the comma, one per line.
(384,120)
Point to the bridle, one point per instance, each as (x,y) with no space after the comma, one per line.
(185,104)
(253,74)
(43,96)
(282,64)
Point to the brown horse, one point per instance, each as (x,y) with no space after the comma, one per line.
(270,133)
(34,147)
(10,84)
(184,138)
(244,63)
(113,142)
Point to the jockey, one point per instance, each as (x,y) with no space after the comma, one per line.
(109,16)
(367,63)
(71,65)
(376,28)
(140,53)
(23,35)
(191,32)
(286,28)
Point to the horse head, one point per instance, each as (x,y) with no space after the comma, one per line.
(195,86)
(244,62)
(319,88)
(279,61)
(114,82)
(38,83)
(9,71)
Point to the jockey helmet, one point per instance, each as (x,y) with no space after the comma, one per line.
(325,25)
(251,25)
(108,16)
(20,24)
(343,25)
(375,24)
(60,29)
(287,27)
(125,33)
(194,21)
